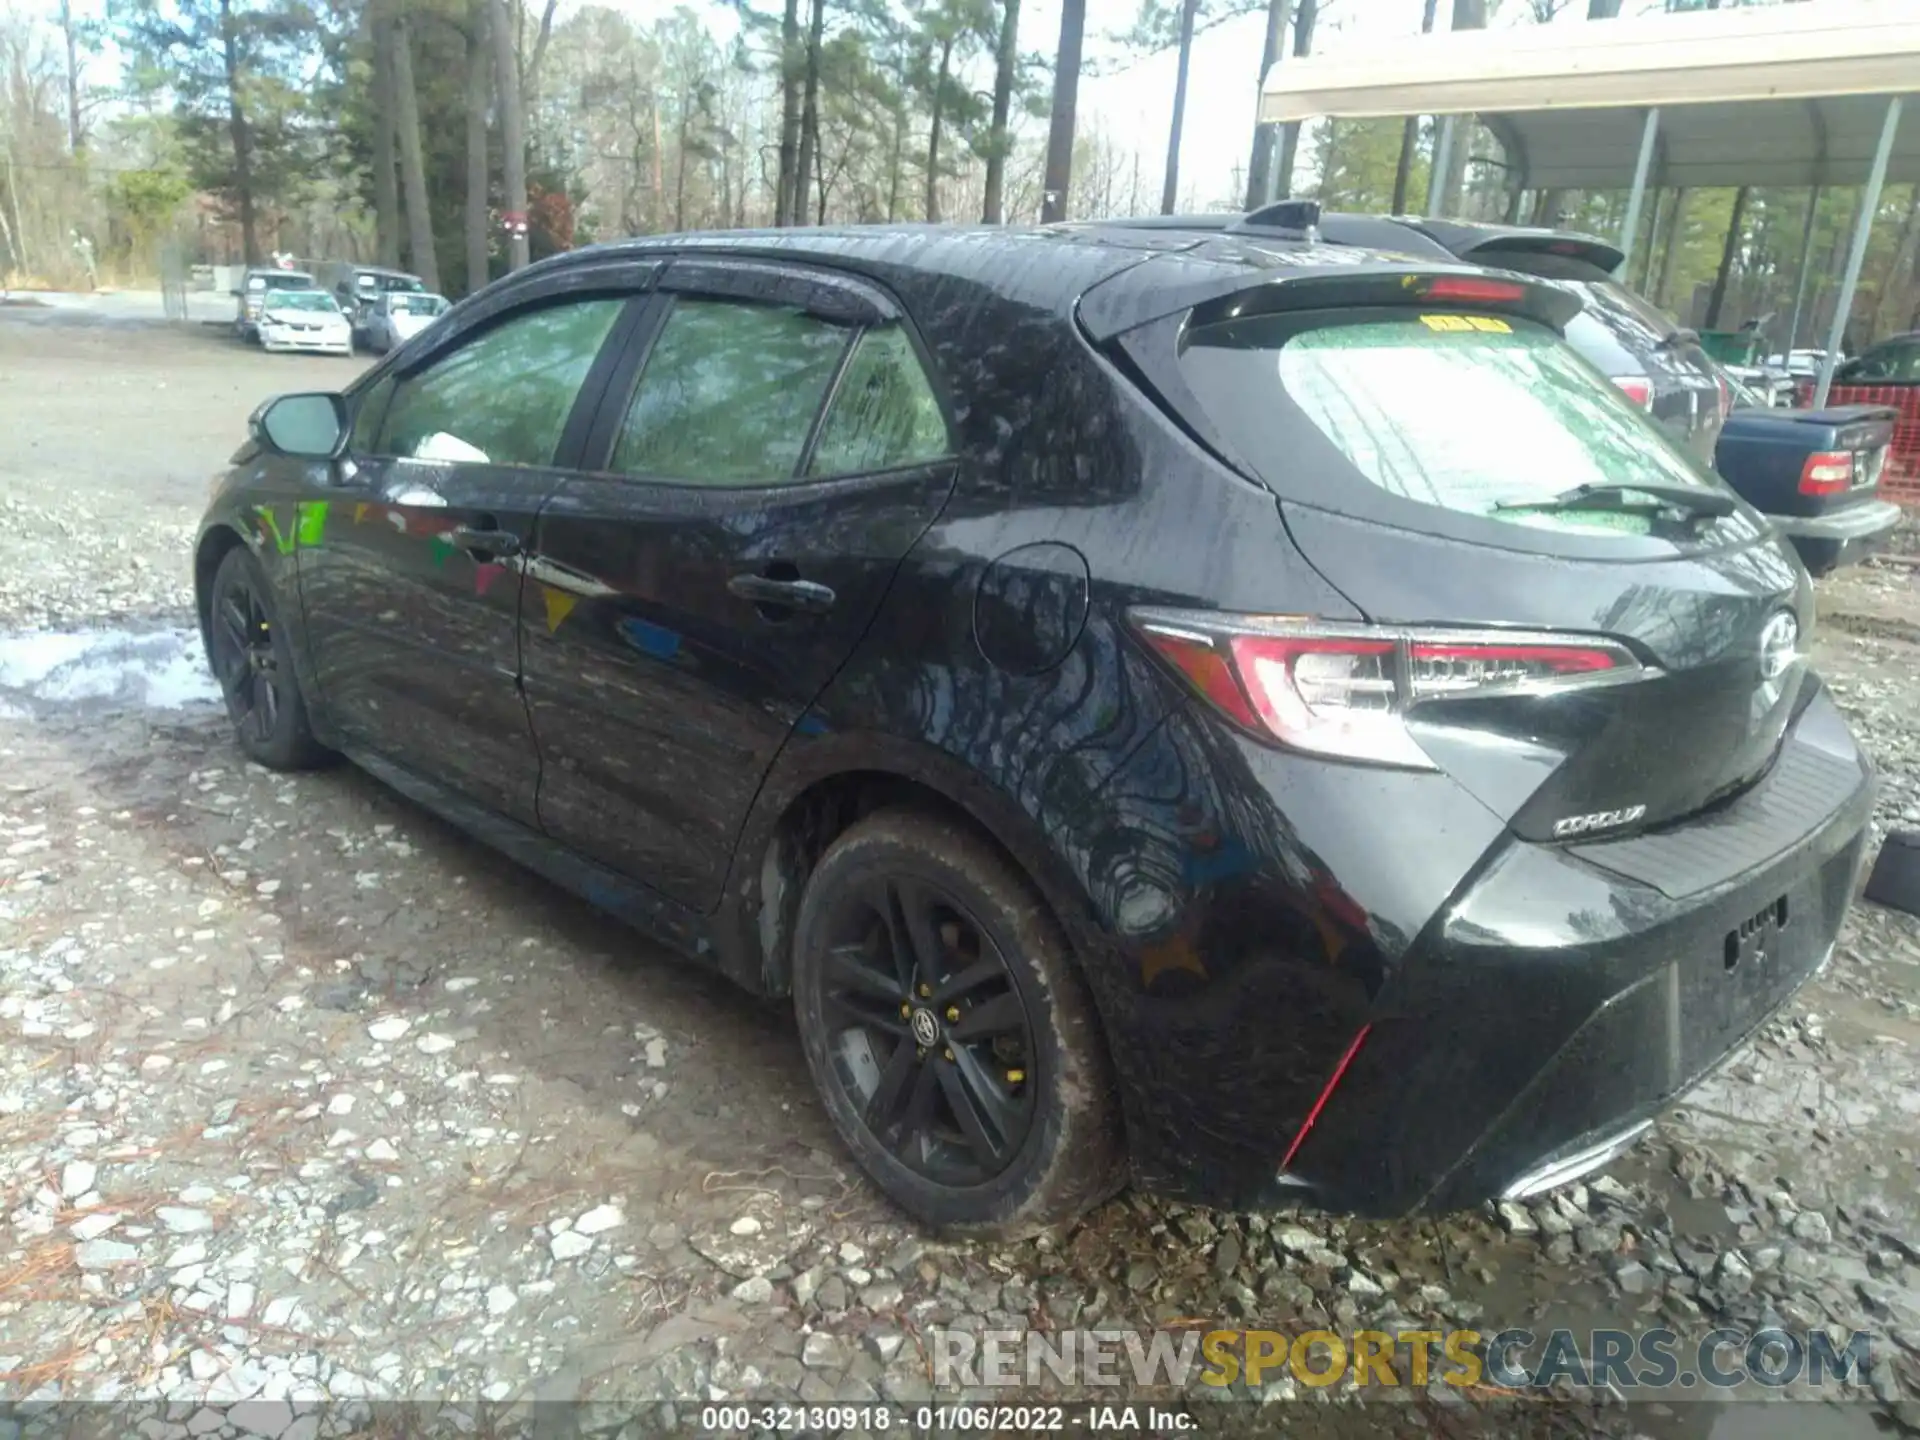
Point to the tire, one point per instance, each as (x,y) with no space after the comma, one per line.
(250,658)
(1024,1052)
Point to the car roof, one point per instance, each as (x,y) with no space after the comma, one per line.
(1142,270)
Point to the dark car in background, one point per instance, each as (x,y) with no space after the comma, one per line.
(1259,718)
(1815,473)
(1656,362)
(357,289)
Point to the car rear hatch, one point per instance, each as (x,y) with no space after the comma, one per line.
(1585,656)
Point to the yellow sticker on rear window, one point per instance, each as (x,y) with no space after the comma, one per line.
(1486,324)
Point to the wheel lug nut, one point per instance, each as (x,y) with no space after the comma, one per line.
(925,990)
(953,1013)
(947,1053)
(906,1010)
(1014,1077)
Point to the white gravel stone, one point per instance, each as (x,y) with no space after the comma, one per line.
(183,1220)
(500,1300)
(389,1029)
(434,1044)
(104,1254)
(569,1245)
(758,1290)
(240,1296)
(77,1178)
(381,1150)
(340,1105)
(600,1218)
(745,1225)
(92,1227)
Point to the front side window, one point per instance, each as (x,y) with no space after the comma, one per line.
(504,397)
(884,414)
(728,395)
(1480,414)
(369,409)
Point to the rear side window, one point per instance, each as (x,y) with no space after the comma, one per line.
(884,414)
(502,398)
(1476,414)
(729,395)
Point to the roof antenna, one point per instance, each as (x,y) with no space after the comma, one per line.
(1300,217)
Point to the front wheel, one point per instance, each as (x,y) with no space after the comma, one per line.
(248,651)
(952,1040)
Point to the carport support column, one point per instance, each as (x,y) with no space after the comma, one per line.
(1442,163)
(1630,229)
(1862,231)
(1806,269)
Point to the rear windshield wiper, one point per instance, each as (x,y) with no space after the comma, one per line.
(1596,495)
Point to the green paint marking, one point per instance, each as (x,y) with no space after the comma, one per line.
(282,543)
(313,521)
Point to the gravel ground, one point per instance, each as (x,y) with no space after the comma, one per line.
(308,1102)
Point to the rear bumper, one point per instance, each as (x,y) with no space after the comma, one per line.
(1842,538)
(1546,1004)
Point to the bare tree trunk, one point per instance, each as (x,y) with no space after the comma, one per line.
(513,120)
(238,132)
(413,171)
(1410,131)
(894,159)
(76,127)
(1006,63)
(386,174)
(1266,137)
(933,132)
(1467,15)
(1736,229)
(659,161)
(1676,227)
(1306,12)
(1170,189)
(1066,91)
(479,87)
(792,66)
(809,114)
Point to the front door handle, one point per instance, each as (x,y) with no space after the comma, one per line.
(476,540)
(782,594)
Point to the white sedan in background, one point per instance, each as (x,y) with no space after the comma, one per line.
(305,320)
(398,315)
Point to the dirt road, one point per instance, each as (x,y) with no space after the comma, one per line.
(306,1098)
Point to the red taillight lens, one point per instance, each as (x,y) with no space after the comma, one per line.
(1344,691)
(1726,397)
(1637,389)
(1471,287)
(1827,472)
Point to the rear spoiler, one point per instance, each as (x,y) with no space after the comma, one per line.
(1121,303)
(1470,242)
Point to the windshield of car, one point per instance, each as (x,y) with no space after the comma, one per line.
(1488,415)
(305,300)
(417,304)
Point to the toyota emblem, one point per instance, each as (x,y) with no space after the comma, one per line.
(1779,646)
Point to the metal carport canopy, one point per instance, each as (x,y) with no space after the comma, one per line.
(1782,95)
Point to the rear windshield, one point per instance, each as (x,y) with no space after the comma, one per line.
(283,280)
(1477,414)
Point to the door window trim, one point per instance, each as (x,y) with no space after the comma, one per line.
(754,281)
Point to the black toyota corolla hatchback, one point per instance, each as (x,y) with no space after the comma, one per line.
(1260,720)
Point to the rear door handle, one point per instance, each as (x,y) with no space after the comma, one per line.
(814,599)
(478,540)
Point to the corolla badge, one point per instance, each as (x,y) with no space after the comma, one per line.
(1779,646)
(1600,820)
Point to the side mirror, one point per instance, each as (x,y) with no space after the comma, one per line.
(303,427)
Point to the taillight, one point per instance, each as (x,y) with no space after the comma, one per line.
(1345,690)
(1827,472)
(1636,388)
(1726,397)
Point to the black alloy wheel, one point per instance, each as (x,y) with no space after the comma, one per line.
(247,650)
(244,662)
(928,1031)
(949,1030)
